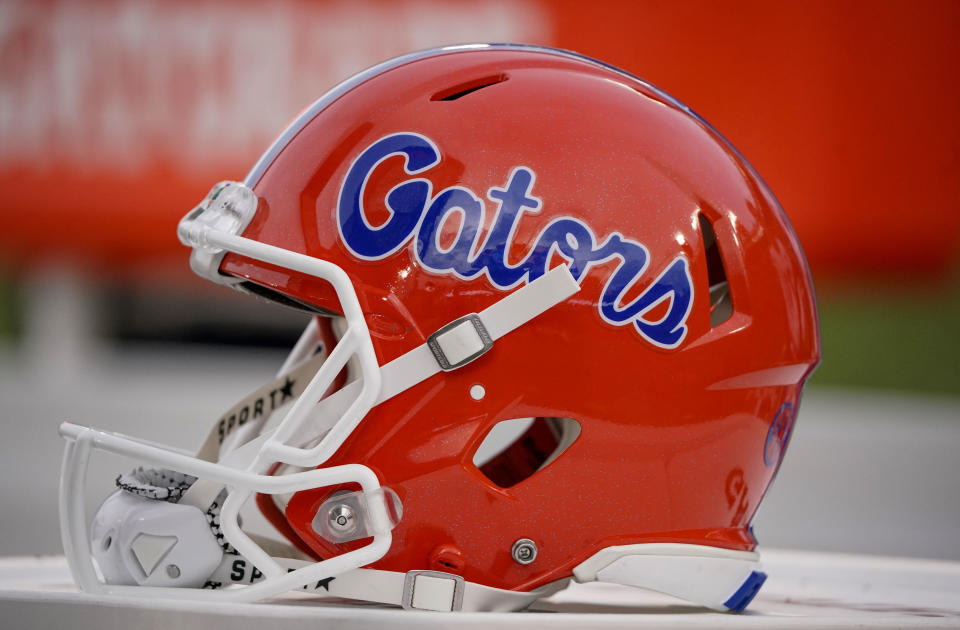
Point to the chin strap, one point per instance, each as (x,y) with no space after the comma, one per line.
(413,590)
(460,342)
(721,579)
(257,406)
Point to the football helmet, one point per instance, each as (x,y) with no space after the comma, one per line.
(559,331)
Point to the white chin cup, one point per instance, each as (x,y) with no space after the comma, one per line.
(146,542)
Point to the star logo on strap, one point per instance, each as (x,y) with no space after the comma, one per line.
(287,390)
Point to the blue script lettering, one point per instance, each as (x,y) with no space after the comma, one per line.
(419,215)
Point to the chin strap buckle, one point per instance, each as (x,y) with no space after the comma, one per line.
(432,590)
(461,341)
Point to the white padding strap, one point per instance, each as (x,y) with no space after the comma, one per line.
(415,590)
(258,405)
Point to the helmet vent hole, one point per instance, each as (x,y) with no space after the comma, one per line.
(462,89)
(721,302)
(514,450)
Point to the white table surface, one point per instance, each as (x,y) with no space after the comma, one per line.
(804,590)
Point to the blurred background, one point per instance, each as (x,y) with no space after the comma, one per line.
(117,117)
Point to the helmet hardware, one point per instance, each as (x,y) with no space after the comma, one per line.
(342,518)
(524,551)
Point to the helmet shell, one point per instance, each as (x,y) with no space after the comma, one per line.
(683,421)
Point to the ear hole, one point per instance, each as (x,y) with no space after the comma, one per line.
(462,89)
(514,450)
(721,302)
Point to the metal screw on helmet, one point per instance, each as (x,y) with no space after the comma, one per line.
(173,571)
(524,551)
(342,518)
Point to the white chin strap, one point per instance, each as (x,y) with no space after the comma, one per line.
(720,579)
(414,590)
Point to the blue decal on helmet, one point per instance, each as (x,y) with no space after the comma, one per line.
(419,215)
(747,591)
(778,434)
(405,201)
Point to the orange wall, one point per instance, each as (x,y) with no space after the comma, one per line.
(116,117)
(849,110)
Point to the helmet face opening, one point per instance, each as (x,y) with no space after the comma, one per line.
(276,297)
(561,332)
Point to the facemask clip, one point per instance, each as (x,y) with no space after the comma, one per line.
(228,208)
(348,516)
